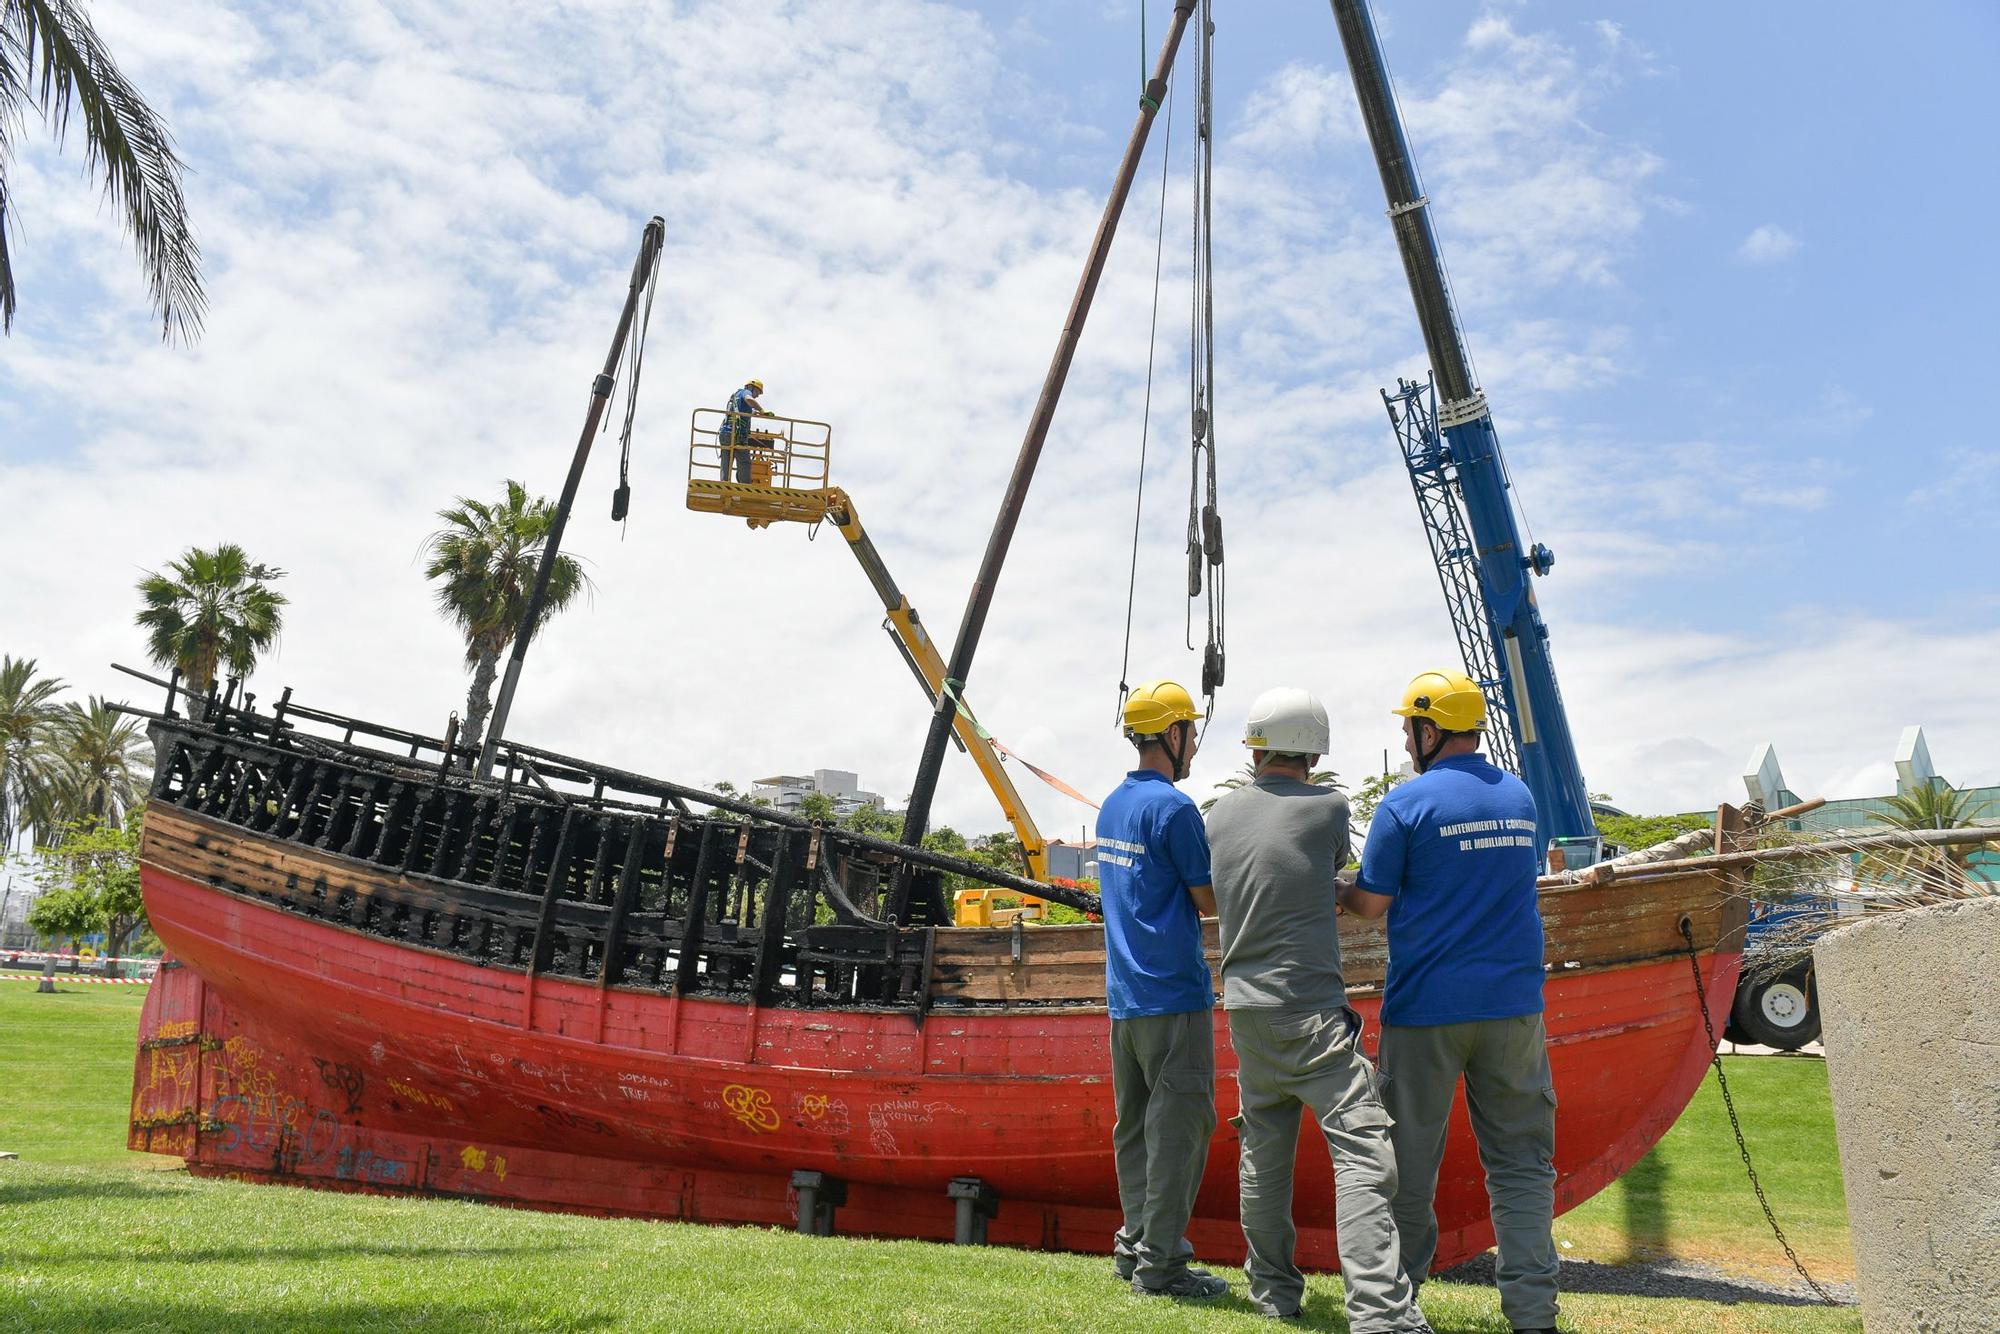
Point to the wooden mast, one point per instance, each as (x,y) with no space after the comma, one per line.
(983,585)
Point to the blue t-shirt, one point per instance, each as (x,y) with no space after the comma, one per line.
(1456,849)
(1151,849)
(736,426)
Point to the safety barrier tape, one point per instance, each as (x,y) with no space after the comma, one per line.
(67,978)
(39,955)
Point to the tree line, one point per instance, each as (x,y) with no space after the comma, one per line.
(73,774)
(73,778)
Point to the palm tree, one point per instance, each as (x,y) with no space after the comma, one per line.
(31,721)
(52,62)
(483,562)
(106,763)
(1319,778)
(1936,805)
(211,610)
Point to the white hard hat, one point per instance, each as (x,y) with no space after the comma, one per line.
(1288,721)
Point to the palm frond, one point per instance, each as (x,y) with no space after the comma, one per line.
(483,564)
(59,62)
(211,609)
(31,717)
(109,761)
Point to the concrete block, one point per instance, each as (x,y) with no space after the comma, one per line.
(1912,1038)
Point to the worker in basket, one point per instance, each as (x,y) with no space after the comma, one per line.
(733,439)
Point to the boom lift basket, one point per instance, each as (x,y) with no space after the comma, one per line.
(787,472)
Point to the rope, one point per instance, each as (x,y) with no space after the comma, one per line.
(1729,1103)
(1146,418)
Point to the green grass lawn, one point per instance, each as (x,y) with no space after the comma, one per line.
(66,1074)
(1690,1198)
(88,1243)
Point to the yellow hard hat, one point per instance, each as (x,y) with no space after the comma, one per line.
(1155,706)
(1452,700)
(758,385)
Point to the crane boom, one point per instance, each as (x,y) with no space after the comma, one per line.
(1455,466)
(787,483)
(921,652)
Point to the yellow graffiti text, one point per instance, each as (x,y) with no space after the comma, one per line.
(751,1106)
(420,1097)
(477,1159)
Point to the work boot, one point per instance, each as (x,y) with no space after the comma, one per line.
(1125,1266)
(1189,1284)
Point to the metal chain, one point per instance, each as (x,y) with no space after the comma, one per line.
(1736,1125)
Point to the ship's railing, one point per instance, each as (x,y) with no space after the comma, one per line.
(786,452)
(566,868)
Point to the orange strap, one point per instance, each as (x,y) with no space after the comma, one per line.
(1045,776)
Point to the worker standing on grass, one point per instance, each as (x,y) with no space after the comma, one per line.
(743,405)
(1276,846)
(1154,883)
(1451,857)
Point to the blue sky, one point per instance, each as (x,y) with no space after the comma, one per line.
(1723,271)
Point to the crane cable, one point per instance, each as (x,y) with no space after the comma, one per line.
(1204,531)
(635,341)
(1146,416)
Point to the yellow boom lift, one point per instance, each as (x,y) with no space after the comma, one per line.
(788,484)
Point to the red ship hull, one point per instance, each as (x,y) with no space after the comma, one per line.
(286,1049)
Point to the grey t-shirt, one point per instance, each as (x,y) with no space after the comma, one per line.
(1274,847)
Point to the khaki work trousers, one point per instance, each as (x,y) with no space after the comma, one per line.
(1508,1091)
(1163,1079)
(1287,1060)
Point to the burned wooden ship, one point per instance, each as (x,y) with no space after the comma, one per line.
(573,987)
(530,979)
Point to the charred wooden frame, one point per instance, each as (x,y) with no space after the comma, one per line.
(560,867)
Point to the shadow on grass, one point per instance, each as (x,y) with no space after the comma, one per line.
(101,1311)
(83,1188)
(1327,1311)
(1642,1207)
(1677,1279)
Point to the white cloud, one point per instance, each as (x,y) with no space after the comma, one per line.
(1965,479)
(1529,194)
(1301,108)
(1768,244)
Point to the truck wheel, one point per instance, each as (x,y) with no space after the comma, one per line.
(1781,1010)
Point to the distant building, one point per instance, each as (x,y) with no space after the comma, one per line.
(1073,861)
(17,894)
(1765,782)
(788,792)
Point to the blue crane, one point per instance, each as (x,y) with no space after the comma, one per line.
(1445,429)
